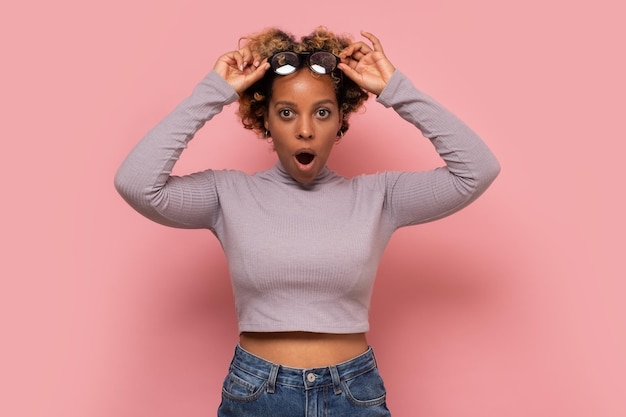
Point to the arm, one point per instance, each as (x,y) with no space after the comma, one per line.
(417,197)
(144,179)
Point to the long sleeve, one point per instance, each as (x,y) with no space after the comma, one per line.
(418,197)
(144,178)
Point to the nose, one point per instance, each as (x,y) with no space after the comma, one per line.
(304,129)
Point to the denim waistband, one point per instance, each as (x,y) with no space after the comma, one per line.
(306,378)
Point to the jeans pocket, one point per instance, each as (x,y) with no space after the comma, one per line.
(242,386)
(365,390)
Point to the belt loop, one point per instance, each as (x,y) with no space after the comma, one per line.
(271,379)
(334,374)
(373,357)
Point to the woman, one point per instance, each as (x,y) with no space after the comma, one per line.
(303,243)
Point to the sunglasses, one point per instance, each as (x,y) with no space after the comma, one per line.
(287,62)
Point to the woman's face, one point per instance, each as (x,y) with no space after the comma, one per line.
(304,119)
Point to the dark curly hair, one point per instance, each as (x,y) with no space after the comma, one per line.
(254,101)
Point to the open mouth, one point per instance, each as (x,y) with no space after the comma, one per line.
(305,158)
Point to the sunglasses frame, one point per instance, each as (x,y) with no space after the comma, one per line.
(301,57)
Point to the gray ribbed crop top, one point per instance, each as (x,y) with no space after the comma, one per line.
(303,257)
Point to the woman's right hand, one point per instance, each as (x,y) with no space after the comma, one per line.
(241,68)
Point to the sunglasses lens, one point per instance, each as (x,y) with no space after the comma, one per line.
(323,62)
(285,63)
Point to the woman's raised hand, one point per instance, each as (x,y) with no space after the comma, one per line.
(241,68)
(367,65)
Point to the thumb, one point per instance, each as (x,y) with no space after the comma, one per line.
(259,71)
(351,73)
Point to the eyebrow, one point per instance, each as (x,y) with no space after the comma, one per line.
(294,104)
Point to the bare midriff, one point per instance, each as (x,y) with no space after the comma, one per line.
(303,349)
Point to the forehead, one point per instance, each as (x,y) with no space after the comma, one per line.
(302,85)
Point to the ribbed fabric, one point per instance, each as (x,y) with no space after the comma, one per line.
(303,257)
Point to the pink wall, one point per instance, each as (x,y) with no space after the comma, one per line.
(509,308)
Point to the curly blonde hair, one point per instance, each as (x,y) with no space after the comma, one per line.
(254,101)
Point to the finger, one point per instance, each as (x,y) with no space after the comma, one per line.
(348,70)
(351,73)
(359,55)
(347,51)
(233,59)
(358,46)
(227,63)
(256,59)
(355,51)
(374,40)
(259,71)
(245,57)
(250,57)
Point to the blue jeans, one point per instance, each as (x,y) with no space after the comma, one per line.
(256,387)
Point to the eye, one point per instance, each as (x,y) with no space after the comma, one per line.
(285,113)
(323,113)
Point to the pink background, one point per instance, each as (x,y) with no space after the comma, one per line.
(512,307)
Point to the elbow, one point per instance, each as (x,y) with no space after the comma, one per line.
(493,169)
(121,184)
(131,190)
(473,186)
(490,170)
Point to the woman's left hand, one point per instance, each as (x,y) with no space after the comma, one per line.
(367,65)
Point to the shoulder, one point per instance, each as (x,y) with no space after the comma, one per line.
(236,177)
(378,181)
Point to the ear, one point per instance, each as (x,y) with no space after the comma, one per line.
(340,128)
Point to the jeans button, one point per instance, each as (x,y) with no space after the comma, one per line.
(310,377)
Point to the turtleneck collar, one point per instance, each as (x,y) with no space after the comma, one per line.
(279,172)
